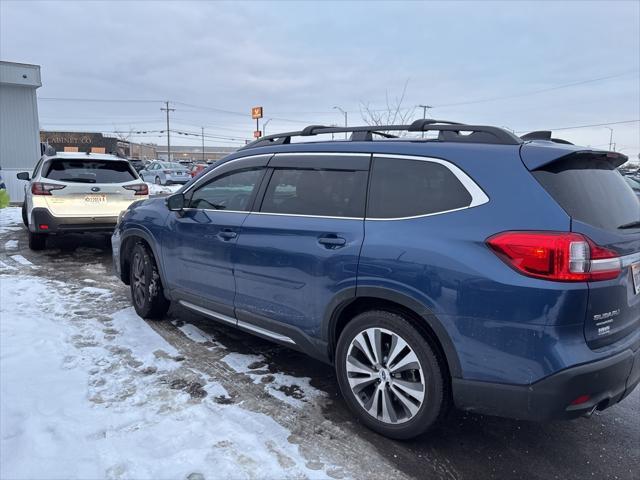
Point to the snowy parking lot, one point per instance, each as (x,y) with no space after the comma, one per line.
(90,390)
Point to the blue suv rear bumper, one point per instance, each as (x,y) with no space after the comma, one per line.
(605,381)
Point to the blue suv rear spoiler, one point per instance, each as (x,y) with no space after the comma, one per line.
(537,154)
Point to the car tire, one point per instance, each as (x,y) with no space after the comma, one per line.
(158,181)
(25,216)
(397,397)
(37,241)
(147,293)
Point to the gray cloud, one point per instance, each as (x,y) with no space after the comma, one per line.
(307,57)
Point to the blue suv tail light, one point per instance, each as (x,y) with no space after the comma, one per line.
(557,256)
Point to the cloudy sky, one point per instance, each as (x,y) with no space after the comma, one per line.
(522,65)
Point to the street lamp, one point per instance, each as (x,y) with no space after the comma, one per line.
(264,127)
(424,113)
(345,119)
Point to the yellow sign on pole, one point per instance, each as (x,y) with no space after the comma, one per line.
(256,113)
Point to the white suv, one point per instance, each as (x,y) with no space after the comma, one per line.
(78,192)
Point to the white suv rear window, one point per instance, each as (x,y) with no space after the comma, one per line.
(89,171)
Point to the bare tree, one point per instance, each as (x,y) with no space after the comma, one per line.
(393,114)
(124,138)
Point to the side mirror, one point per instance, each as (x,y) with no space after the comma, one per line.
(23,176)
(175,202)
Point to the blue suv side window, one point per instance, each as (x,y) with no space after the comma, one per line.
(406,188)
(331,193)
(230,192)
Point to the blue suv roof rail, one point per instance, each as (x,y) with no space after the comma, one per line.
(448,132)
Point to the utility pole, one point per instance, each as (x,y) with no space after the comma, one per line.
(610,137)
(203,159)
(424,113)
(167,109)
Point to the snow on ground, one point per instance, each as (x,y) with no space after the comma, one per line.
(11,218)
(11,245)
(162,189)
(195,334)
(22,261)
(89,394)
(293,390)
(98,292)
(5,267)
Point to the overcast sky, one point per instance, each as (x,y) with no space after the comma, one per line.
(477,62)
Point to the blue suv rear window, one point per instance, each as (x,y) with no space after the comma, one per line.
(407,188)
(590,190)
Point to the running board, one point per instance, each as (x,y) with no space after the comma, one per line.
(236,323)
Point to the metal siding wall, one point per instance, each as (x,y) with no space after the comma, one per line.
(19,135)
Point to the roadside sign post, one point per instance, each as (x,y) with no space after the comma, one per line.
(256,113)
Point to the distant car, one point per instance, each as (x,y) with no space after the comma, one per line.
(77,192)
(198,168)
(634,184)
(165,173)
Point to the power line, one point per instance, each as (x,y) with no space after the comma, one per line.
(535,92)
(583,126)
(244,114)
(99,100)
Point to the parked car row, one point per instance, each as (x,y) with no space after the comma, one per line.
(167,173)
(494,273)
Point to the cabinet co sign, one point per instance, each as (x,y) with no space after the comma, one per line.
(256,113)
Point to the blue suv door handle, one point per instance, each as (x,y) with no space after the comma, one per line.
(332,241)
(227,234)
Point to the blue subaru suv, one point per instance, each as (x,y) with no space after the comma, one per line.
(461,266)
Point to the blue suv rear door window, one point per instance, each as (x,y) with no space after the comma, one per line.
(403,188)
(329,193)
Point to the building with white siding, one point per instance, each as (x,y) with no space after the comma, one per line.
(19,127)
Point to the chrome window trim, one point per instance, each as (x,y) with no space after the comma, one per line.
(478,197)
(215,210)
(235,322)
(317,154)
(306,216)
(275,214)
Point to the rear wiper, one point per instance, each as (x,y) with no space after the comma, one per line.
(635,224)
